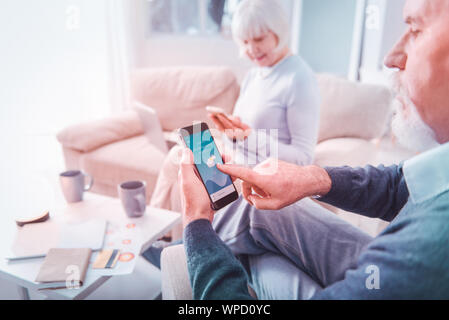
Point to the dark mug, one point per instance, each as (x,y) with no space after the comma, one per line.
(133,197)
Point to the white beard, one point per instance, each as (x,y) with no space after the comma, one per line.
(410,130)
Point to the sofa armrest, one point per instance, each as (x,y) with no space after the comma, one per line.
(175,277)
(85,137)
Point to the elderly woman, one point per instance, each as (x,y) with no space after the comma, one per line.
(280,93)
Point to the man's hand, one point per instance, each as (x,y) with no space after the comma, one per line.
(275,184)
(194,198)
(232,126)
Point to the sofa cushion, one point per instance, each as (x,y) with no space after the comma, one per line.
(129,159)
(352,109)
(355,153)
(358,152)
(180,94)
(88,136)
(345,151)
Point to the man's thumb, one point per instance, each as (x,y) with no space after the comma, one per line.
(187,156)
(187,163)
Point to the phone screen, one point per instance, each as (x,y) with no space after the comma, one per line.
(206,157)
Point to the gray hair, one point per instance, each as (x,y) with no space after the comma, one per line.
(255,17)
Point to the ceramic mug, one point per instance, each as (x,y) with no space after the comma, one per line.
(73,185)
(133,196)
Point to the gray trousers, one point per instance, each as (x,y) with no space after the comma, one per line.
(290,253)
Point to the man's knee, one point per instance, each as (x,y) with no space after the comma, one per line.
(274,277)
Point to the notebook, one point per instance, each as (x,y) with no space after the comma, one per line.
(64,268)
(151,126)
(35,240)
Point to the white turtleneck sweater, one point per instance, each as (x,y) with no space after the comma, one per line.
(284,97)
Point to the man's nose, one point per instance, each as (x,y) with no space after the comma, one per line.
(396,58)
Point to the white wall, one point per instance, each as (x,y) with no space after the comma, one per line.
(50,72)
(54,72)
(180,51)
(380,38)
(326,34)
(328,41)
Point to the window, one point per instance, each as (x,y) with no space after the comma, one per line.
(191,17)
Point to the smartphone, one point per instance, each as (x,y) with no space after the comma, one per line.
(212,109)
(219,186)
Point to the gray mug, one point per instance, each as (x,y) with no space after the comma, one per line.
(132,194)
(73,185)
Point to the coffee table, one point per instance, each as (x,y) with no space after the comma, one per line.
(147,229)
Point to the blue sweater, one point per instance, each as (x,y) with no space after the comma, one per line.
(411,255)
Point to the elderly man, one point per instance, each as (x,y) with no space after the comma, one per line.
(310,253)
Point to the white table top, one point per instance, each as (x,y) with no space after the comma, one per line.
(153,225)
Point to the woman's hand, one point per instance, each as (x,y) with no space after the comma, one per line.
(232,126)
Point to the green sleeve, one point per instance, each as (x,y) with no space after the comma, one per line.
(214,272)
